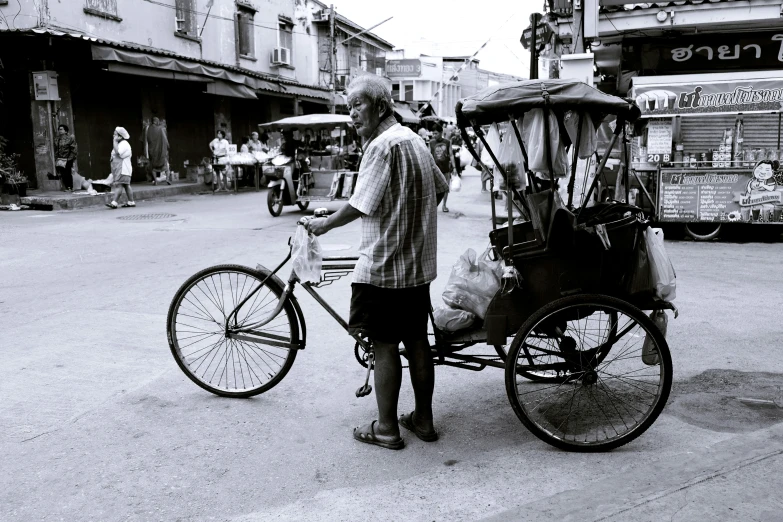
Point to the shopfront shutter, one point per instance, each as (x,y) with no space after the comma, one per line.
(703,133)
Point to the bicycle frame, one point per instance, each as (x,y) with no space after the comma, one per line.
(332,272)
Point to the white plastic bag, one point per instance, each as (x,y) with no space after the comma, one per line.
(464,157)
(451,320)
(571,121)
(307,256)
(456,184)
(473,283)
(661,268)
(511,159)
(533,134)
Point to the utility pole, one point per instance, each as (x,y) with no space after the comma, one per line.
(534,19)
(333,58)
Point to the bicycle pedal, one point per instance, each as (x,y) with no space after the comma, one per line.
(364,391)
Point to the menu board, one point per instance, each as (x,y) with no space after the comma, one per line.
(659,137)
(702,195)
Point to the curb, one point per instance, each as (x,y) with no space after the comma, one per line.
(75,202)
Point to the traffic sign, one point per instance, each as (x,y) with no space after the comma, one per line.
(543,33)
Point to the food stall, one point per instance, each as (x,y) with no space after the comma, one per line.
(712,143)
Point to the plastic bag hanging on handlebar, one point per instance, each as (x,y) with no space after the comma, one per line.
(533,132)
(307,256)
(511,158)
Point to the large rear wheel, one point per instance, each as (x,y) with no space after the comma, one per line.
(208,352)
(593,391)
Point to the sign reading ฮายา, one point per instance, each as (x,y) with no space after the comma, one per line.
(403,68)
(757,95)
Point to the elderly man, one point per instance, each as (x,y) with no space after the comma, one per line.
(397,193)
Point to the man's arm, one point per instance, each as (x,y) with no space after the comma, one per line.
(342,217)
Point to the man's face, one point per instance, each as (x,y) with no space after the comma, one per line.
(254,136)
(436,135)
(61,131)
(155,121)
(366,116)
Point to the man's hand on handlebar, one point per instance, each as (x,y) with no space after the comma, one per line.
(317,226)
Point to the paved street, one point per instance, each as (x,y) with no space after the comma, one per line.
(97,422)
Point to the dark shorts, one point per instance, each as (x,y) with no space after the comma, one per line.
(390,315)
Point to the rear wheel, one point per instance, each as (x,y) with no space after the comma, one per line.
(590,389)
(199,339)
(703,231)
(274,201)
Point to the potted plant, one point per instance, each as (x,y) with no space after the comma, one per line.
(13,181)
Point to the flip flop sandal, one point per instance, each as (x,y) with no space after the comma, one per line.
(445,209)
(406,421)
(371,438)
(113,207)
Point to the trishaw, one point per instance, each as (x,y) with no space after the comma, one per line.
(585,368)
(320,169)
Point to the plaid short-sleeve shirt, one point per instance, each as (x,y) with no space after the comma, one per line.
(397,192)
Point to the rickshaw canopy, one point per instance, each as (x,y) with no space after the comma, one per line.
(499,102)
(309,121)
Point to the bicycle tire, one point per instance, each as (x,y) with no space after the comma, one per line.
(200,348)
(697,231)
(600,405)
(302,205)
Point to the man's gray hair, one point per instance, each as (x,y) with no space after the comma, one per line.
(374,88)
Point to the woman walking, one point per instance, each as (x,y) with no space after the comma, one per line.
(121,168)
(64,156)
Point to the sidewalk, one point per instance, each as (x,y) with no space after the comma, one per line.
(58,200)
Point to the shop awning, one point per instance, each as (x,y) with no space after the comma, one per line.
(155,73)
(233,90)
(299,90)
(167,63)
(178,65)
(705,94)
(404,111)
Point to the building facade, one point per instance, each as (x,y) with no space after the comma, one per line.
(472,78)
(198,65)
(423,84)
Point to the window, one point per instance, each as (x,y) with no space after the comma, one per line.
(408,91)
(285,38)
(396,91)
(102,8)
(185,18)
(245,16)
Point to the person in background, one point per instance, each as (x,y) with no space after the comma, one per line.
(156,149)
(257,145)
(64,156)
(396,197)
(424,133)
(245,146)
(219,148)
(121,168)
(441,151)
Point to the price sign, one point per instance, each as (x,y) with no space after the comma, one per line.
(659,137)
(659,158)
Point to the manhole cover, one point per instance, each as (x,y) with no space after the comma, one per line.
(146,217)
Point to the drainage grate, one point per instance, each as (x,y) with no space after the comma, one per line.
(146,217)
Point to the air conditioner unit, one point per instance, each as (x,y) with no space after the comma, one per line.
(281,56)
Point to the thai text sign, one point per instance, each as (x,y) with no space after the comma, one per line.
(716,195)
(710,98)
(403,68)
(709,53)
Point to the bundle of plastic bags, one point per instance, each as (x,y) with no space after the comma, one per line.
(307,255)
(473,283)
(653,273)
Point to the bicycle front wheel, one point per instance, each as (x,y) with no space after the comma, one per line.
(600,384)
(198,339)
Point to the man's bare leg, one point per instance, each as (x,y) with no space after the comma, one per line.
(422,370)
(388,378)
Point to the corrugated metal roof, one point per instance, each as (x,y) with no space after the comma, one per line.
(66,33)
(659,5)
